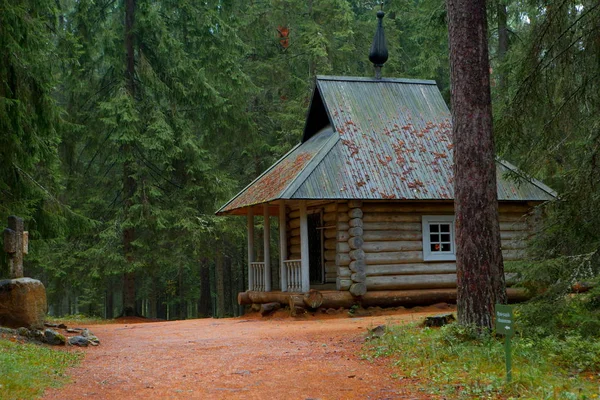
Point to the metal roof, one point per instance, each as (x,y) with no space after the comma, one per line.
(391,139)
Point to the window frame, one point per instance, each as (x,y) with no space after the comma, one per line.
(428,255)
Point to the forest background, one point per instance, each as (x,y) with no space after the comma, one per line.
(125,124)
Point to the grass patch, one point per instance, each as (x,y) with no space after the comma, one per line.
(27,369)
(73,319)
(454,363)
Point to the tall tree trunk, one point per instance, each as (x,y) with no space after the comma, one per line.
(502,45)
(220,282)
(480,271)
(128,179)
(205,301)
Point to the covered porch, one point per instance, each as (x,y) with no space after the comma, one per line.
(294,271)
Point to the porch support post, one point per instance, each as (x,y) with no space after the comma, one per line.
(250,248)
(282,246)
(267,245)
(304,266)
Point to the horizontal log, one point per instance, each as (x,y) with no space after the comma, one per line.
(294,232)
(405,282)
(355,203)
(512,217)
(330,264)
(513,244)
(343,217)
(411,269)
(343,283)
(294,223)
(295,248)
(433,208)
(513,255)
(343,272)
(355,223)
(359,277)
(407,208)
(356,231)
(342,259)
(355,242)
(392,226)
(377,247)
(295,240)
(294,214)
(342,207)
(358,289)
(343,236)
(391,217)
(384,298)
(343,226)
(294,256)
(377,236)
(330,254)
(513,226)
(343,247)
(330,233)
(355,213)
(331,207)
(330,217)
(330,244)
(395,257)
(358,266)
(513,235)
(357,254)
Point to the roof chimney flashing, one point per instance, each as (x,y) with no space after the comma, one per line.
(378,54)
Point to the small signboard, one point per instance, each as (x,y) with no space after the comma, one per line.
(505,326)
(504,320)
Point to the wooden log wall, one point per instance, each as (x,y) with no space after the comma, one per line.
(330,216)
(392,245)
(358,265)
(342,259)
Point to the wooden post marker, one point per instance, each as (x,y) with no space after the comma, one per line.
(505,326)
(16,244)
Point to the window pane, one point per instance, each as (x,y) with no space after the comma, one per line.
(446,237)
(434,238)
(446,247)
(435,247)
(434,228)
(445,228)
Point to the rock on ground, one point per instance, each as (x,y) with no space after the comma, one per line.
(22,303)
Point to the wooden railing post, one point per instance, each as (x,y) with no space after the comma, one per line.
(250,248)
(283,246)
(304,252)
(267,245)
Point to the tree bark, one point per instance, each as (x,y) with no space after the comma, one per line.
(205,301)
(480,272)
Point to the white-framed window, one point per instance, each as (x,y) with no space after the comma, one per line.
(438,238)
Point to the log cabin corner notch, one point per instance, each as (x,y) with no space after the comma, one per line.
(365,201)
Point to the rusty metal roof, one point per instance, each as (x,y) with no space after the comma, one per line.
(383,139)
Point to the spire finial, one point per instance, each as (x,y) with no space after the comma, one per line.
(379,53)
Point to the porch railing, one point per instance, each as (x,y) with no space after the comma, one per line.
(257,269)
(294,275)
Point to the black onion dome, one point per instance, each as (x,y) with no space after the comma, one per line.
(378,54)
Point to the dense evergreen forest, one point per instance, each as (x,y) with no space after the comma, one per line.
(124,125)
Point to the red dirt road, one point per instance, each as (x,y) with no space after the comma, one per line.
(314,357)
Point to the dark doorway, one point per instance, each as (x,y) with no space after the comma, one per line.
(315,249)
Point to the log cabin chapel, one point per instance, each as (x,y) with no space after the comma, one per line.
(365,200)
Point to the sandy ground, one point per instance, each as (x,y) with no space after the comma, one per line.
(277,357)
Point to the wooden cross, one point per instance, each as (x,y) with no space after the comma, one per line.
(16,244)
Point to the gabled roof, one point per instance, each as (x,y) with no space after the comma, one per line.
(374,139)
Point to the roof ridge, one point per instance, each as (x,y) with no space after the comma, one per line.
(373,80)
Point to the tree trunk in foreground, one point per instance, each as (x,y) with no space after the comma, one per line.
(480,272)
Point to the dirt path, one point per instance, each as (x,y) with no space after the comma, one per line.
(240,358)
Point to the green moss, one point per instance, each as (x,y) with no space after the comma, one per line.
(27,369)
